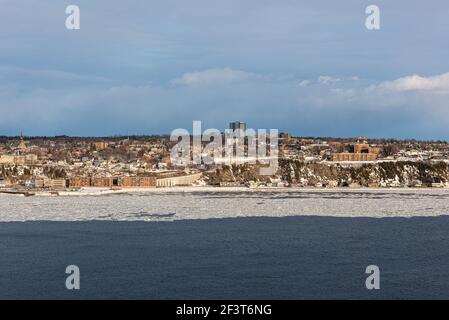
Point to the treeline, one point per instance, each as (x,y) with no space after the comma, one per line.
(376,140)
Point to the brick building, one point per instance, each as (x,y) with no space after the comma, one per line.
(362,152)
(109,182)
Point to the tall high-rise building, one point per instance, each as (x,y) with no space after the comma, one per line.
(237,125)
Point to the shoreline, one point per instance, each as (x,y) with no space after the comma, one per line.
(93,191)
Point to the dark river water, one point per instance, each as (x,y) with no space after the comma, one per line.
(239,258)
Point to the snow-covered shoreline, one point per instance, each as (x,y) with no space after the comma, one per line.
(91,191)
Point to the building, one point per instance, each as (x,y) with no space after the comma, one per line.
(29,159)
(104,182)
(21,147)
(362,152)
(366,148)
(137,182)
(100,145)
(285,137)
(109,182)
(7,159)
(184,180)
(39,183)
(58,184)
(348,156)
(79,182)
(237,125)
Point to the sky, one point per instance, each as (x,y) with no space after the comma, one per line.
(311,68)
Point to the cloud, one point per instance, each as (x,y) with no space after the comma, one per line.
(214,76)
(215,61)
(305,107)
(304,83)
(435,84)
(328,80)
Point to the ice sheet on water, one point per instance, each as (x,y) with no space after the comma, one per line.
(176,204)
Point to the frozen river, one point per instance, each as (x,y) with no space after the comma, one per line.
(181,204)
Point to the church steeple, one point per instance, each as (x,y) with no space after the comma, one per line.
(22,145)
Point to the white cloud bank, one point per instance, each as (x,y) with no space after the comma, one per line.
(328,80)
(435,84)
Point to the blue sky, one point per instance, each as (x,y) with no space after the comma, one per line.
(308,67)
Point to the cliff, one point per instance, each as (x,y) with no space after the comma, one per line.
(384,174)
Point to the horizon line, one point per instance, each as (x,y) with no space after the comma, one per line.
(441,140)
